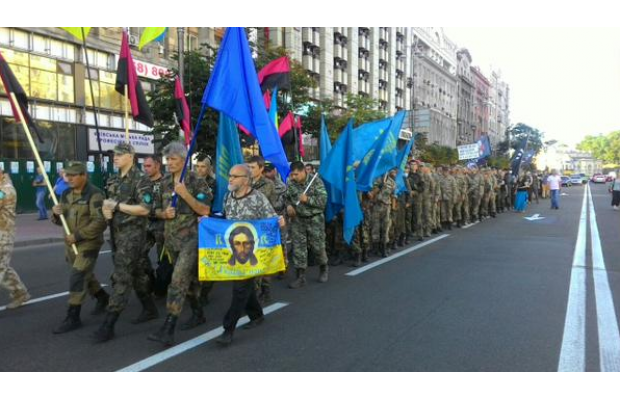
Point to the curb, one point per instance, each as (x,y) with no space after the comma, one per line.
(48,240)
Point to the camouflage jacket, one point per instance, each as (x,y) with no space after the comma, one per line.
(266,187)
(280,189)
(384,190)
(133,189)
(8,203)
(84,217)
(184,226)
(253,205)
(317,197)
(416,183)
(448,188)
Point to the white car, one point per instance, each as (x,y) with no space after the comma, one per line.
(576,180)
(599,178)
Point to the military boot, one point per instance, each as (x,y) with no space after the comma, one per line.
(225,338)
(197,317)
(103,298)
(408,239)
(106,330)
(364,255)
(324,274)
(357,260)
(71,322)
(149,311)
(401,241)
(383,249)
(165,334)
(300,281)
(458,224)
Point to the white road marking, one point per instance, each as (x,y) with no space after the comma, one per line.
(608,334)
(44,298)
(190,344)
(470,225)
(365,268)
(573,352)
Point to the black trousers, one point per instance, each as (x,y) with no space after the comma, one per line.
(243,299)
(615,198)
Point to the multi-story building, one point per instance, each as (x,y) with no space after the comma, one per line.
(466,90)
(379,62)
(481,103)
(498,109)
(51,66)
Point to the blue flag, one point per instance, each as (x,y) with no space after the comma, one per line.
(326,145)
(366,135)
(484,147)
(382,156)
(234,90)
(401,186)
(228,153)
(273,109)
(339,173)
(528,156)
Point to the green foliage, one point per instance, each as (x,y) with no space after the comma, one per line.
(602,147)
(502,162)
(520,131)
(437,154)
(197,71)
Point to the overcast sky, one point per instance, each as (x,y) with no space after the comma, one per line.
(563,81)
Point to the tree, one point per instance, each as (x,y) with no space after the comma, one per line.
(519,132)
(602,147)
(198,65)
(438,155)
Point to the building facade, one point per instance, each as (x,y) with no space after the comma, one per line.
(481,103)
(466,90)
(499,118)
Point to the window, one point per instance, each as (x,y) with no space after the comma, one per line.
(59,140)
(103,87)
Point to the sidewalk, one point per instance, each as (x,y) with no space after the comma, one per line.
(30,232)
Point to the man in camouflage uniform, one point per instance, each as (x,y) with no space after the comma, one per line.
(130,198)
(181,239)
(494,193)
(204,170)
(160,278)
(476,191)
(244,203)
(81,207)
(267,188)
(361,240)
(448,194)
(381,195)
(8,277)
(427,201)
(279,206)
(436,218)
(486,197)
(466,194)
(460,195)
(417,185)
(400,203)
(306,213)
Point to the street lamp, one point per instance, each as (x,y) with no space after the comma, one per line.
(414,52)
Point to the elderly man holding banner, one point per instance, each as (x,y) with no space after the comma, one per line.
(245,245)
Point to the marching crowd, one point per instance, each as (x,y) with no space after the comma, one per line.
(150,209)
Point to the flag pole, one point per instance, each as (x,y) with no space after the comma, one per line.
(126,117)
(35,151)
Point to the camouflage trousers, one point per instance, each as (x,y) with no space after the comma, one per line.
(485,204)
(465,209)
(493,203)
(308,234)
(409,219)
(380,223)
(446,211)
(361,239)
(154,237)
(427,216)
(474,204)
(184,276)
(437,214)
(457,215)
(82,276)
(399,217)
(9,279)
(334,241)
(128,269)
(417,227)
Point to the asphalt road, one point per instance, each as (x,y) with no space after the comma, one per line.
(493,297)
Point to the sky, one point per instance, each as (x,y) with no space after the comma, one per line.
(563,81)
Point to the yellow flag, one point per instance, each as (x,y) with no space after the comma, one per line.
(77,32)
(150,34)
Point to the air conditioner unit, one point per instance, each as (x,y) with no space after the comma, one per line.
(133,41)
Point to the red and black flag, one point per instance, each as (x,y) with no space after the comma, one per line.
(286,130)
(302,150)
(275,74)
(11,85)
(182,110)
(126,75)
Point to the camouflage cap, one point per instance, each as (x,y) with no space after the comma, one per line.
(124,148)
(75,168)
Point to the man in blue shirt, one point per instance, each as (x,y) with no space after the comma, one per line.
(61,184)
(41,191)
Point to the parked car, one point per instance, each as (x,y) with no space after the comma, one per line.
(576,180)
(599,178)
(566,181)
(584,178)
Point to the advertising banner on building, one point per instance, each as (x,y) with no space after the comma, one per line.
(109,138)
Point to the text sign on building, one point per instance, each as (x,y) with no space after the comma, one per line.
(142,143)
(148,70)
(469,151)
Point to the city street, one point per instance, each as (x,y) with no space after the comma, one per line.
(507,294)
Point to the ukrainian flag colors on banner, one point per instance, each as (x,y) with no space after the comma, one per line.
(231,250)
